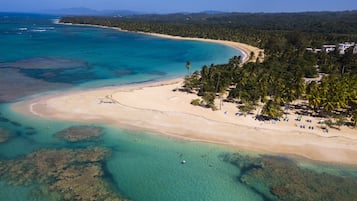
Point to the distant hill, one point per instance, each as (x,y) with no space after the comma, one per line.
(343,22)
(87,11)
(212,12)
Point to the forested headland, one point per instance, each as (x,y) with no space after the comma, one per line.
(283,76)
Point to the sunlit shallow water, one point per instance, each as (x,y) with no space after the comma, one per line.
(38,56)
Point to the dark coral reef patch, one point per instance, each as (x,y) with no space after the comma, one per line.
(80,133)
(4,135)
(277,178)
(73,174)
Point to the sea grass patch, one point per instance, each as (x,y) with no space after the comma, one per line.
(4,135)
(80,133)
(278,178)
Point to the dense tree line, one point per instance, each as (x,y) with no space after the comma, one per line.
(277,83)
(279,79)
(271,31)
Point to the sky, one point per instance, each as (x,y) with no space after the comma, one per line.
(169,6)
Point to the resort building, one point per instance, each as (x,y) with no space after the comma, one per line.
(328,48)
(316,50)
(342,47)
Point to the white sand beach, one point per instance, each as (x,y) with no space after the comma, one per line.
(244,48)
(157,108)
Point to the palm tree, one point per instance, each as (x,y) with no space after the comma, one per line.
(260,56)
(251,56)
(272,110)
(204,73)
(235,61)
(314,100)
(188,66)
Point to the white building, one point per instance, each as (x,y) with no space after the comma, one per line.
(317,50)
(309,49)
(328,48)
(342,47)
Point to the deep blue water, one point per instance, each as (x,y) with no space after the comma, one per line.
(36,51)
(38,56)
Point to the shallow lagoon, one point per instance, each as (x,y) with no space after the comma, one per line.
(146,166)
(141,166)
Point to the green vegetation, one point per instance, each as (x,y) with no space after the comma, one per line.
(188,67)
(335,95)
(247,108)
(271,31)
(282,77)
(196,102)
(208,99)
(272,110)
(278,81)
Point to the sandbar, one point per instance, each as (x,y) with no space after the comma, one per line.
(159,108)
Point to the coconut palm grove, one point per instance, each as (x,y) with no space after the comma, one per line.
(294,65)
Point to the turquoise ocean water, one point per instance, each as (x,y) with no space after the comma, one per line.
(38,56)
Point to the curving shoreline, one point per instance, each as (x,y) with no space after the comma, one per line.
(245,49)
(156,108)
(170,113)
